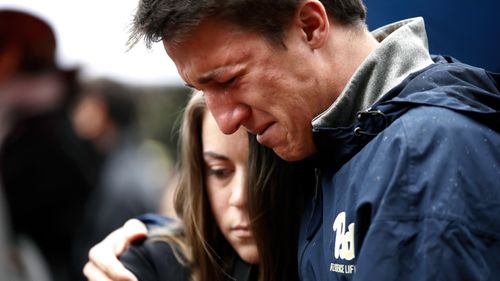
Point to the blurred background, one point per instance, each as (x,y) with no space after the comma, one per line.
(91,39)
(88,130)
(466,30)
(92,34)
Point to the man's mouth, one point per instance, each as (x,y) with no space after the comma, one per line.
(263,129)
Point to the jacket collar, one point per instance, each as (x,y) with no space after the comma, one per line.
(403,49)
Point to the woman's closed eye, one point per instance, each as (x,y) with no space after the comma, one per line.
(220,172)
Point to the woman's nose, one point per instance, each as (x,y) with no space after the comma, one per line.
(239,190)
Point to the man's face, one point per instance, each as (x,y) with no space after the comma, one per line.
(270,90)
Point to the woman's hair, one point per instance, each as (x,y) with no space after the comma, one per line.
(173,234)
(276,194)
(208,247)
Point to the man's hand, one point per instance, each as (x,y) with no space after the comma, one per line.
(103,264)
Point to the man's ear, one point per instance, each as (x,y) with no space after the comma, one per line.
(314,22)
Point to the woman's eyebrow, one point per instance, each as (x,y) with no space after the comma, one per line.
(215,155)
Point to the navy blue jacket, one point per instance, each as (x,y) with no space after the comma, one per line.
(411,191)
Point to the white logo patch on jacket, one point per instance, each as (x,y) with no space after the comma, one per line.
(344,244)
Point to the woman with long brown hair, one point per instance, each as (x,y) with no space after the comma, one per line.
(224,176)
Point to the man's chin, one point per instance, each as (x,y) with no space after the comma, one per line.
(283,148)
(291,154)
(286,154)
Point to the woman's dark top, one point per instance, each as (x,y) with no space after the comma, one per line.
(152,259)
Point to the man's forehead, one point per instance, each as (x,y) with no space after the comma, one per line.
(199,65)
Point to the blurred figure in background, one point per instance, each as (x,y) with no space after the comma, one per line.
(131,178)
(47,172)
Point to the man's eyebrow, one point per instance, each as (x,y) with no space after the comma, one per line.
(212,75)
(204,79)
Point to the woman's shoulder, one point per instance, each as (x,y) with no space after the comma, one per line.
(160,256)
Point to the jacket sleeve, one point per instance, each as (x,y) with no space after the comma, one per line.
(154,260)
(438,218)
(138,260)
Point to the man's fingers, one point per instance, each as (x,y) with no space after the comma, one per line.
(92,273)
(103,257)
(132,230)
(103,264)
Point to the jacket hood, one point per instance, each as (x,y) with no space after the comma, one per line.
(447,83)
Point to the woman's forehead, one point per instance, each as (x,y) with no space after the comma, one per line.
(234,146)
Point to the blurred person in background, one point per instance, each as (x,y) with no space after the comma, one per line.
(46,171)
(131,178)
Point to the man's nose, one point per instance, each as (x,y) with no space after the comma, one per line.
(227,112)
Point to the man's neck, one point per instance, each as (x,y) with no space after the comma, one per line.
(349,46)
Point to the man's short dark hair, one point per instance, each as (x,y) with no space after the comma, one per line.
(171,20)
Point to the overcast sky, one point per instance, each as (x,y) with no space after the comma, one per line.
(92,35)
